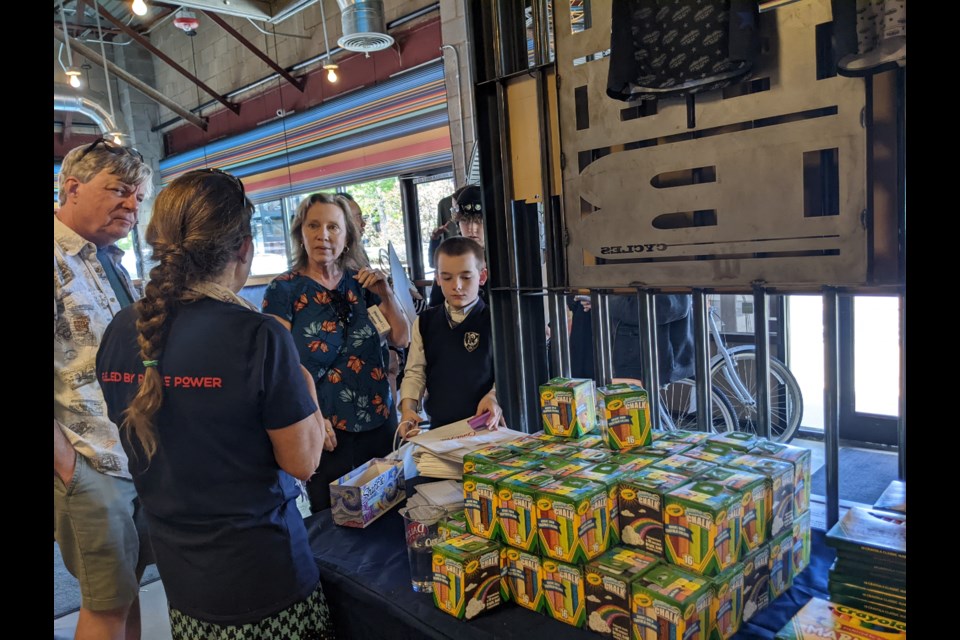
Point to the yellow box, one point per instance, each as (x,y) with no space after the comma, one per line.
(466,576)
(609,475)
(573,519)
(641,507)
(480,498)
(668,602)
(623,411)
(781,563)
(753,486)
(517,508)
(800,458)
(701,525)
(726,606)
(568,407)
(608,588)
(780,495)
(563,593)
(524,576)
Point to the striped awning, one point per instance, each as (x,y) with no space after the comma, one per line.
(396,127)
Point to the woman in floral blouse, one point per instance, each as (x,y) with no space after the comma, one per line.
(327,308)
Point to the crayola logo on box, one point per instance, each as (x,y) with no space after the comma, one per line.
(609,580)
(568,407)
(516,508)
(623,412)
(563,592)
(480,501)
(573,519)
(466,576)
(702,524)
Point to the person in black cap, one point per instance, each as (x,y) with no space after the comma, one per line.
(467,214)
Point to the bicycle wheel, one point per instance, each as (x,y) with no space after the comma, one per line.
(678,408)
(786,401)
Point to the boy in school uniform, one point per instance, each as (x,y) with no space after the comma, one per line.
(451,354)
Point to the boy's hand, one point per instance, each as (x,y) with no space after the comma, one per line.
(489,403)
(330,440)
(409,423)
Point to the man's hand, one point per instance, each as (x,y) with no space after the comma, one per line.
(489,404)
(409,423)
(330,436)
(439,231)
(64,455)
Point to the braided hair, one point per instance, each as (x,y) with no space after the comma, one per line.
(199,223)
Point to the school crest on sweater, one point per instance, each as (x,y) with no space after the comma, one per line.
(471,340)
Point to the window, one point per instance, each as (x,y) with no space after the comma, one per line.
(429,195)
(382,211)
(269,239)
(130,252)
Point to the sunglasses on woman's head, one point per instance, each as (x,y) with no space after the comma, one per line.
(115,149)
(233,179)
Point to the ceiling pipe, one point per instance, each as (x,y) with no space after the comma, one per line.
(135,82)
(63,101)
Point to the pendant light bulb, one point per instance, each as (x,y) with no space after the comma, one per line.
(73,76)
(116,139)
(331,72)
(139,7)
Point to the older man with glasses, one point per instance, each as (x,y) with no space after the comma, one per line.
(97,518)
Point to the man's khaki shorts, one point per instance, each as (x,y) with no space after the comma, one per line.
(102,534)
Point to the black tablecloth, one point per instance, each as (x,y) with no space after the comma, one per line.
(367,583)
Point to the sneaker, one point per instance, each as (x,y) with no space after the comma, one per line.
(889,54)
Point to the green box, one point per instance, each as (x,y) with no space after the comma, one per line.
(641,507)
(726,607)
(668,602)
(701,524)
(632,460)
(480,498)
(779,475)
(756,581)
(563,592)
(753,486)
(524,578)
(568,407)
(609,475)
(739,440)
(590,441)
(517,508)
(801,543)
(453,525)
(573,519)
(563,449)
(623,411)
(663,448)
(713,452)
(682,435)
(487,455)
(466,576)
(800,458)
(685,466)
(560,467)
(609,586)
(593,456)
(522,462)
(781,563)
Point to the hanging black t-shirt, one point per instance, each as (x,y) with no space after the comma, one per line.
(229,541)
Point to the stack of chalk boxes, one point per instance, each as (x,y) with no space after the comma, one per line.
(601,523)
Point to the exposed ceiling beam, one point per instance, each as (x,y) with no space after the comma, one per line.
(133,81)
(152,49)
(296,82)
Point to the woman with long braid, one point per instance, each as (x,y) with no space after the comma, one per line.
(218,418)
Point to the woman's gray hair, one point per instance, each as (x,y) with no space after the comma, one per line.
(352,255)
(86,161)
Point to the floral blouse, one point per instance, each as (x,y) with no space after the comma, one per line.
(338,345)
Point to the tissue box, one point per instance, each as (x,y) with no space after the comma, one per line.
(366,493)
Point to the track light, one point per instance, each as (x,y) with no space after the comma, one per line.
(139,7)
(73,76)
(331,71)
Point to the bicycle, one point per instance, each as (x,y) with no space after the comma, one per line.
(733,378)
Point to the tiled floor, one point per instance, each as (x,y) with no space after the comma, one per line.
(153,600)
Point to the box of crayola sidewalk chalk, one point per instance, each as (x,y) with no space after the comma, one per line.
(563,593)
(609,581)
(573,519)
(524,577)
(480,498)
(517,508)
(609,475)
(701,525)
(568,407)
(779,475)
(738,440)
(781,563)
(726,607)
(623,412)
(466,576)
(756,581)
(641,507)
(668,602)
(753,525)
(800,457)
(801,543)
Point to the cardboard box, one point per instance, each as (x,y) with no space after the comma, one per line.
(366,493)
(664,448)
(738,440)
(623,411)
(480,499)
(754,525)
(517,508)
(713,452)
(560,467)
(780,495)
(801,543)
(800,458)
(682,435)
(632,460)
(641,507)
(609,475)
(593,456)
(466,576)
(781,563)
(680,463)
(573,519)
(453,525)
(487,455)
(756,581)
(609,587)
(726,607)
(568,407)
(563,593)
(668,602)
(563,449)
(701,524)
(524,577)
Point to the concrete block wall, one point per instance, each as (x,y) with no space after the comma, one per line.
(453,27)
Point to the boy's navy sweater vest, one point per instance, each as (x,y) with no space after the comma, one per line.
(459,369)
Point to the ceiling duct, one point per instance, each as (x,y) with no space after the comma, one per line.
(63,101)
(363,24)
(272,11)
